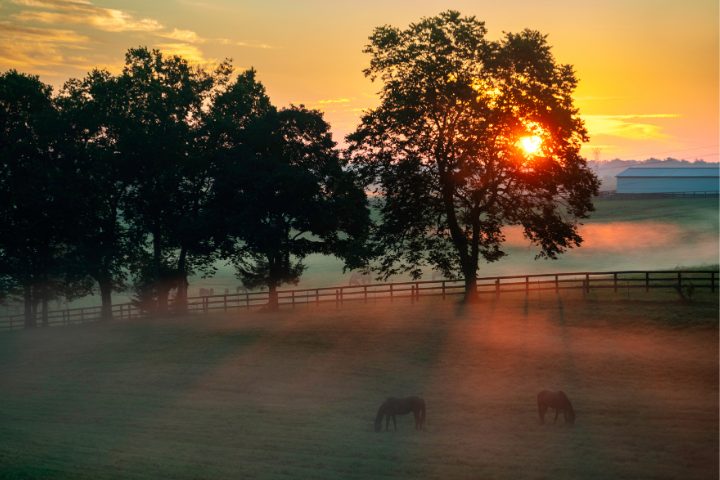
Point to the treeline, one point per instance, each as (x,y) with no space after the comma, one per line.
(146,177)
(141,179)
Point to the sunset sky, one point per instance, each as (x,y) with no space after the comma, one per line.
(648,69)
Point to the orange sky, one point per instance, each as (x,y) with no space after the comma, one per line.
(648,69)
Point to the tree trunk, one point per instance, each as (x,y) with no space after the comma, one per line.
(106,298)
(28,301)
(44,307)
(182,283)
(161,288)
(273,303)
(471,295)
(163,292)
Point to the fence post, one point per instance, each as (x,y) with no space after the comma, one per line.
(225,302)
(417,291)
(527,286)
(82,315)
(615,282)
(365,292)
(679,285)
(712,282)
(391,293)
(292,293)
(557,284)
(497,288)
(647,282)
(587,283)
(317,297)
(443,290)
(337,298)
(247,301)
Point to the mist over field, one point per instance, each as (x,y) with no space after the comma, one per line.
(643,234)
(294,394)
(622,234)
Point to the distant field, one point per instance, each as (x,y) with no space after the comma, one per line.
(620,235)
(625,234)
(293,395)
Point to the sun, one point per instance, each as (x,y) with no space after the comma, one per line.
(530,144)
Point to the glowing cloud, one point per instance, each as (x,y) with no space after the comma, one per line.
(40,49)
(624,126)
(185,36)
(84,13)
(333,100)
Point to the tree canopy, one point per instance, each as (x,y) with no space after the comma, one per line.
(281,193)
(444,149)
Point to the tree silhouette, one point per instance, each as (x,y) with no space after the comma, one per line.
(163,99)
(443,148)
(281,192)
(33,199)
(97,181)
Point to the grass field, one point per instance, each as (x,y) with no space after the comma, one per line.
(293,394)
(622,234)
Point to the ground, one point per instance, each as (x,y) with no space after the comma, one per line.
(294,394)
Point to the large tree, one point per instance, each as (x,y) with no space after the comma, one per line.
(444,149)
(34,216)
(163,99)
(281,192)
(97,181)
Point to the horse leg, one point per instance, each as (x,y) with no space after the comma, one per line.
(557,411)
(394,423)
(417,420)
(387,423)
(541,412)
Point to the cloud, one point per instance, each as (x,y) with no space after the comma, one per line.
(41,50)
(83,12)
(333,100)
(227,41)
(627,126)
(46,33)
(185,36)
(189,52)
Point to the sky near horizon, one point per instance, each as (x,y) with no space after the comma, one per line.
(648,69)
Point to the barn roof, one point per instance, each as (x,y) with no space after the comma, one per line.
(672,172)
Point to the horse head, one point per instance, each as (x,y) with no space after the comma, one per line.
(378,425)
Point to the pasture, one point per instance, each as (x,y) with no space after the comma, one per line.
(294,394)
(622,234)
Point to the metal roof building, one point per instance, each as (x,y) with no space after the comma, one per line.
(669,180)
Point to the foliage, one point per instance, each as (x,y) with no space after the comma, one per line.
(33,213)
(442,150)
(158,127)
(280,193)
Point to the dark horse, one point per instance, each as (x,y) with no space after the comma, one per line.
(557,400)
(400,406)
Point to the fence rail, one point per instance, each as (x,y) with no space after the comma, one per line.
(683,281)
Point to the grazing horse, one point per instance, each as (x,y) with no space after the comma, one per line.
(401,406)
(557,400)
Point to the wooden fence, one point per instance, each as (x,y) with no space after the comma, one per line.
(683,281)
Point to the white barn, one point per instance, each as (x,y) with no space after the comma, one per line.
(669,180)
